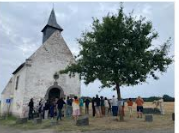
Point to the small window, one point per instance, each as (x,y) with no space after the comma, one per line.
(17,82)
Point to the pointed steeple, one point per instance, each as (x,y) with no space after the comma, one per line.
(53,22)
(51,26)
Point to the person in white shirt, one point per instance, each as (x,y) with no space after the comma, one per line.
(161,105)
(106,105)
(76,108)
(114,106)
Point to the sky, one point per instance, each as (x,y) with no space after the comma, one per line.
(20,36)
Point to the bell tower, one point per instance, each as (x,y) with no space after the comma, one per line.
(50,27)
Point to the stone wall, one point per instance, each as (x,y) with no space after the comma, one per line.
(51,57)
(16,94)
(6,94)
(19,94)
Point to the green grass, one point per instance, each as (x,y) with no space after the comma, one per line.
(105,123)
(11,122)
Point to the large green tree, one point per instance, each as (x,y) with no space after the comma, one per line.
(118,51)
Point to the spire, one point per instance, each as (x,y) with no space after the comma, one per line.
(51,26)
(52,21)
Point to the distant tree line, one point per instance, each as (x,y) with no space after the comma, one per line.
(166,98)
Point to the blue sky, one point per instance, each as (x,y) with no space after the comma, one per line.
(20,36)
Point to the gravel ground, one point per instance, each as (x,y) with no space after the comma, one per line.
(11,130)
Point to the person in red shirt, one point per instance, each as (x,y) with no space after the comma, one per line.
(139,101)
(130,104)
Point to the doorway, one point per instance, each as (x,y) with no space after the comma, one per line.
(54,93)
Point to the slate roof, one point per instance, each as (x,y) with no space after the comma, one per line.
(52,22)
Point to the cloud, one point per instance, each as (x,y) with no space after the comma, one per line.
(144,10)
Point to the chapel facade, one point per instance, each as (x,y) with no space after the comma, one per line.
(38,76)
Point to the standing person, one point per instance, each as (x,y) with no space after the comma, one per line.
(31,109)
(93,106)
(69,107)
(156,104)
(64,108)
(102,106)
(106,105)
(55,109)
(161,105)
(121,107)
(97,106)
(139,101)
(43,108)
(40,109)
(81,106)
(76,108)
(110,107)
(60,104)
(130,104)
(46,109)
(52,109)
(87,101)
(114,106)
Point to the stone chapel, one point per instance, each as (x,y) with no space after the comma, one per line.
(38,76)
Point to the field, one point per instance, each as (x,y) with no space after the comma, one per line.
(105,123)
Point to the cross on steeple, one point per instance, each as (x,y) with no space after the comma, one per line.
(51,26)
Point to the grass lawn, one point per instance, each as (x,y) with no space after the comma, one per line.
(104,123)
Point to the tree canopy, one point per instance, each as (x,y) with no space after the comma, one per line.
(119,51)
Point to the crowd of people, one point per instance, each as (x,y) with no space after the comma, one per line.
(74,107)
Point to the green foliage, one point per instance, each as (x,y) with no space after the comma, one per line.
(119,50)
(168,98)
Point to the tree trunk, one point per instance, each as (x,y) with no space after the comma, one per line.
(118,91)
(119,98)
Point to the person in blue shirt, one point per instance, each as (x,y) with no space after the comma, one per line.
(69,107)
(87,101)
(81,106)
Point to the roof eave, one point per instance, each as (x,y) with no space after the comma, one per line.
(52,27)
(19,68)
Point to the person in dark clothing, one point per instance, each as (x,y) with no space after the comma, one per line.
(40,109)
(52,109)
(69,107)
(110,108)
(102,106)
(87,101)
(93,106)
(60,104)
(31,108)
(97,106)
(46,109)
